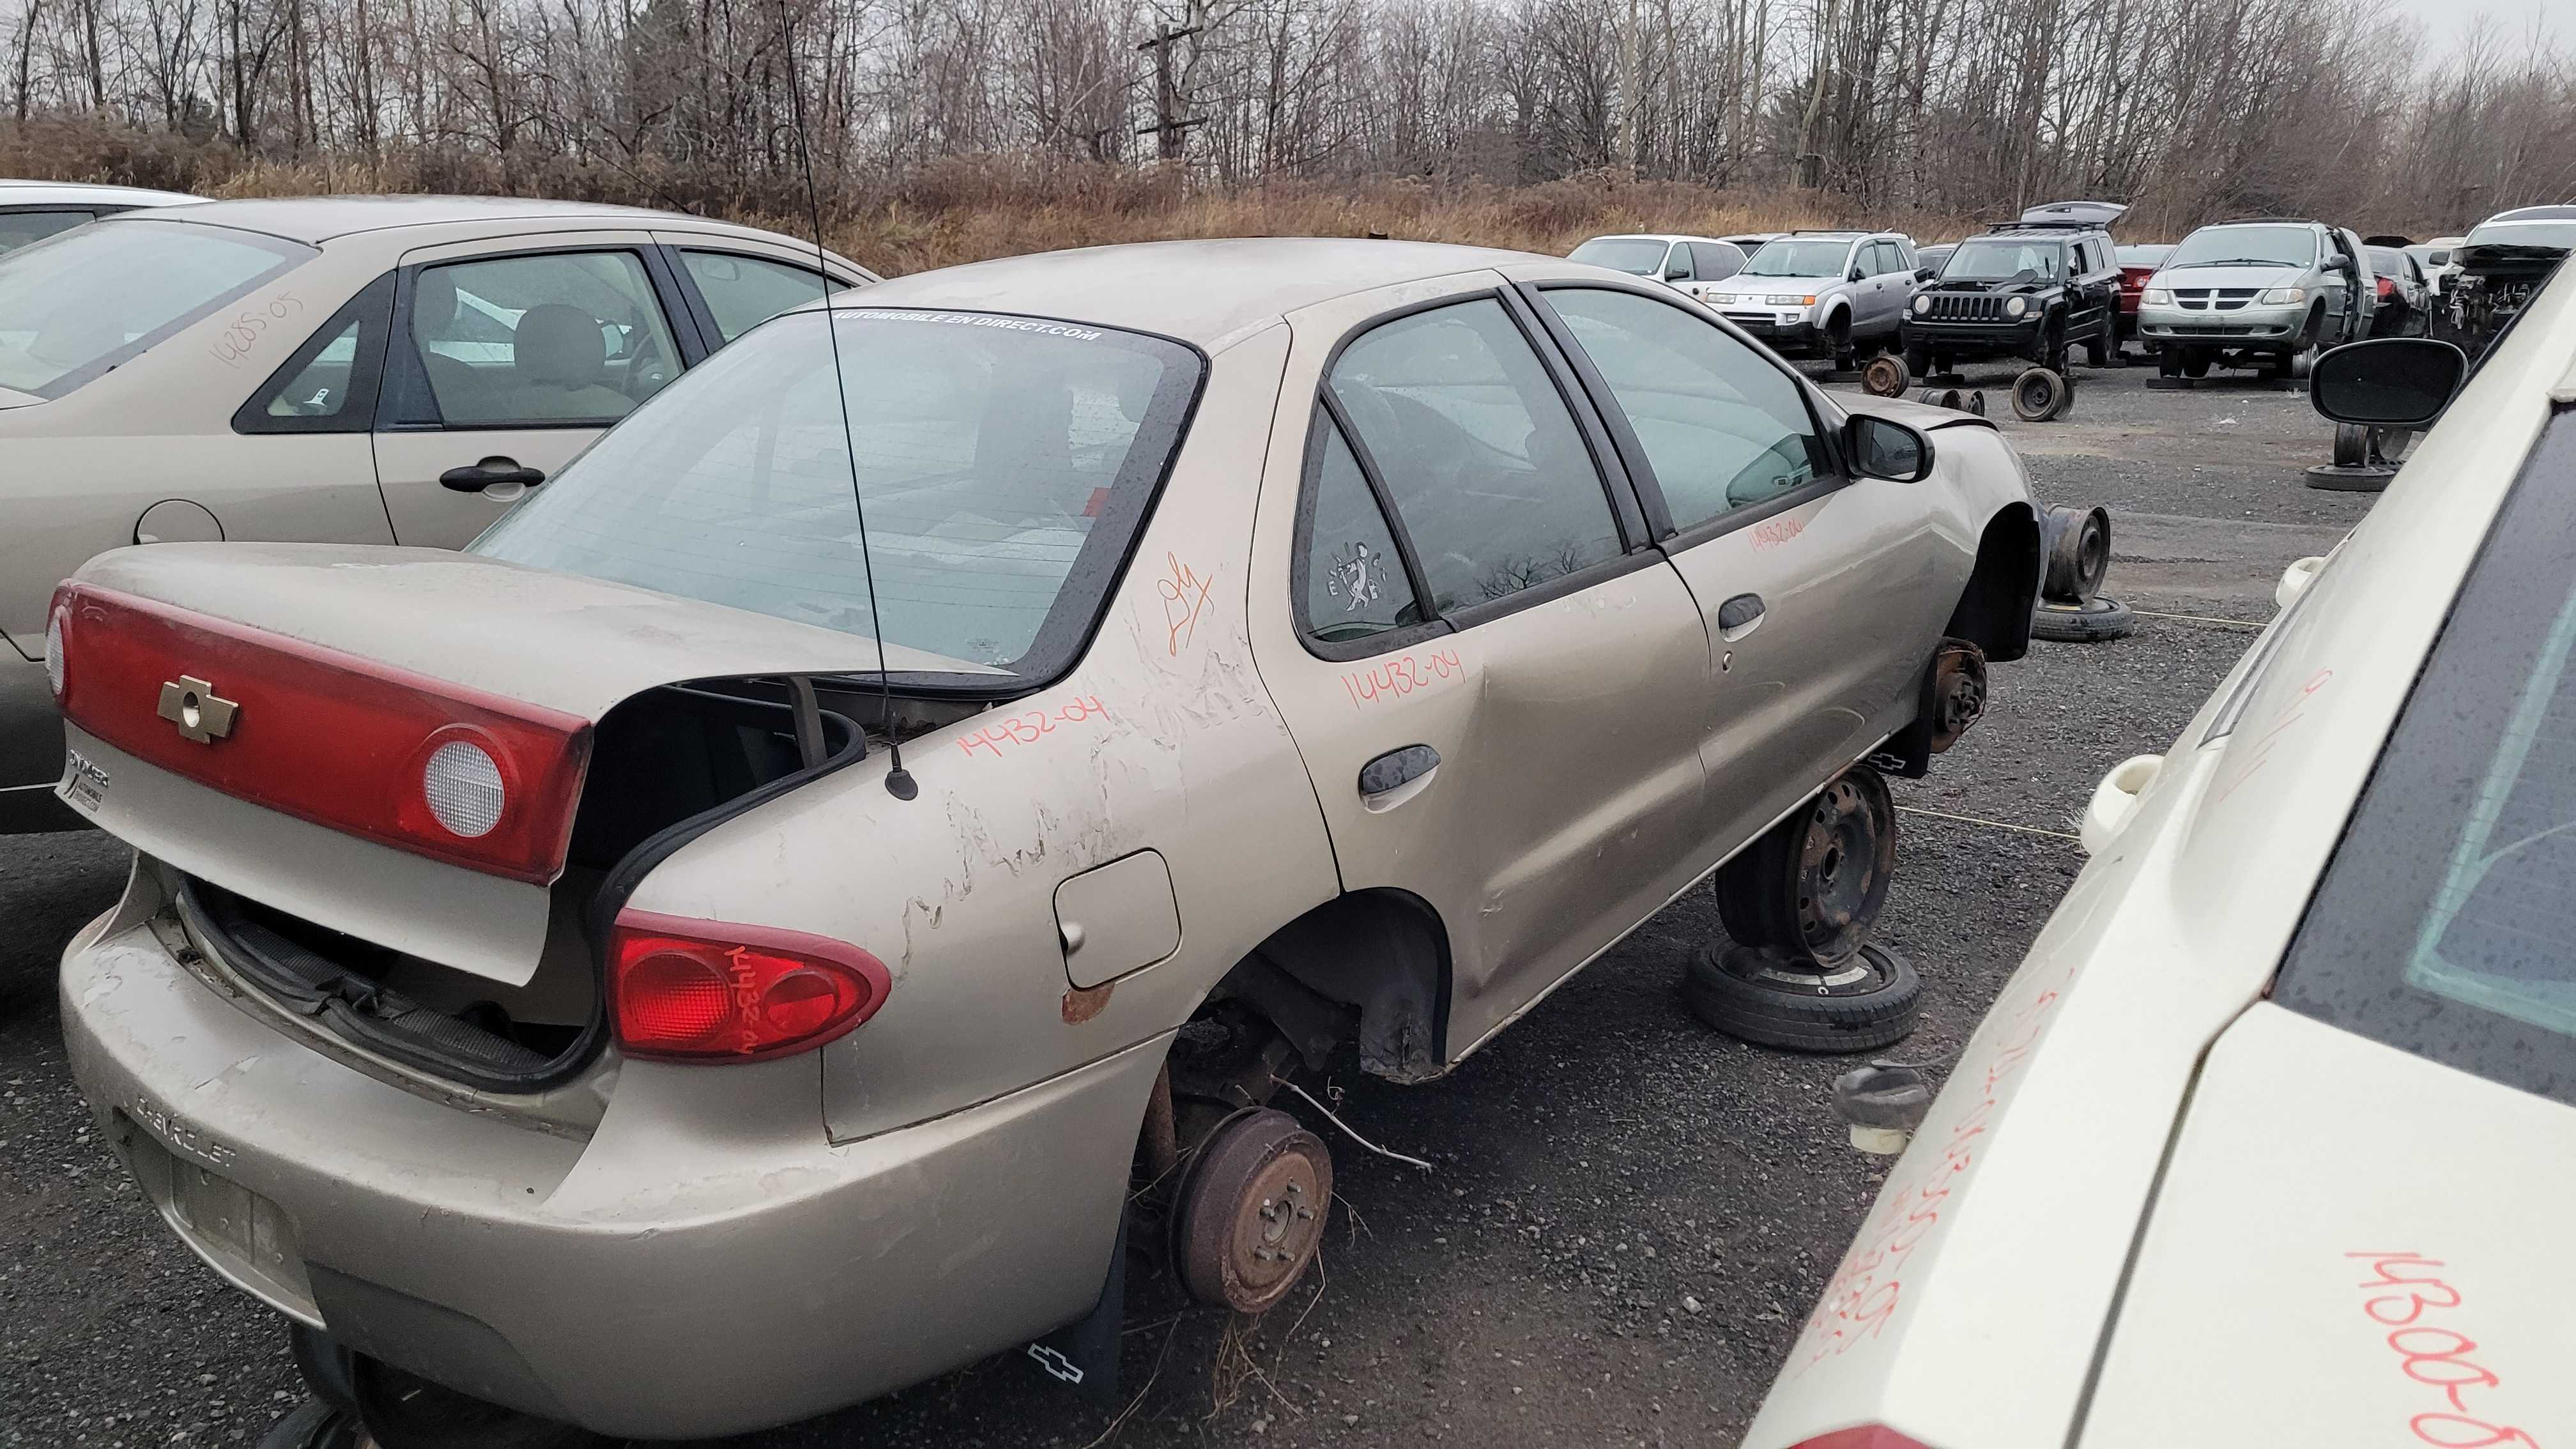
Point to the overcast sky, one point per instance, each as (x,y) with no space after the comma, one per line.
(2444,20)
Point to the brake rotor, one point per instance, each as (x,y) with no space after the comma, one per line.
(1958,691)
(1252,1213)
(1844,864)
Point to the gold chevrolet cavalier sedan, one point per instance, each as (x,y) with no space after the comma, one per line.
(766,923)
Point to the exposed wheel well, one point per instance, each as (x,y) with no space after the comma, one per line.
(1994,609)
(1370,966)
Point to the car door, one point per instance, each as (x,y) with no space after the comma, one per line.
(1823,597)
(507,358)
(1890,277)
(1493,676)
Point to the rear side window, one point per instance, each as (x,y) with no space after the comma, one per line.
(1722,428)
(744,292)
(1478,452)
(1712,262)
(1354,583)
(94,298)
(2446,923)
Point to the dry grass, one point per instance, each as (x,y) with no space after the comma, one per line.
(971,208)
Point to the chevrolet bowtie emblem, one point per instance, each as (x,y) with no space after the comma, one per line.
(190,703)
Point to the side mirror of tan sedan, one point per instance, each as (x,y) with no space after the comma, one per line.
(1879,448)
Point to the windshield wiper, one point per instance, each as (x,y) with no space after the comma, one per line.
(2240,262)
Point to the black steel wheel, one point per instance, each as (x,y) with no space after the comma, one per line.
(2351,445)
(1252,1210)
(2078,552)
(2091,622)
(1763,997)
(1812,887)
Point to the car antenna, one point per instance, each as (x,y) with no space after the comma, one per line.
(898,781)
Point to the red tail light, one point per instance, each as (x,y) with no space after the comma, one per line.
(416,763)
(2387,287)
(705,991)
(1864,1436)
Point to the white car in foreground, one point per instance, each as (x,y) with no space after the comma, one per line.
(2270,1140)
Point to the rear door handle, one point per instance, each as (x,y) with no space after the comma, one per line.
(1396,769)
(476,477)
(1739,616)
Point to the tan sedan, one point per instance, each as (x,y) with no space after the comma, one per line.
(344,369)
(709,953)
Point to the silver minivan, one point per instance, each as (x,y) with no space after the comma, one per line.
(2267,294)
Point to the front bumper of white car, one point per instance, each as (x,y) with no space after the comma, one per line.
(2212,324)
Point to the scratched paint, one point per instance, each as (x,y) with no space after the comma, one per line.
(2244,756)
(2404,1292)
(1870,1285)
(1398,675)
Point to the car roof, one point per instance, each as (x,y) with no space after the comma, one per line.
(2535,213)
(2033,231)
(1206,292)
(318,219)
(86,193)
(1661,236)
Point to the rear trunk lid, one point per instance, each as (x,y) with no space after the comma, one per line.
(495,644)
(2358,1222)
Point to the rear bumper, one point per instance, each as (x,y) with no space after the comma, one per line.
(705,1263)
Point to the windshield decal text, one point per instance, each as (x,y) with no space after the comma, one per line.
(973,319)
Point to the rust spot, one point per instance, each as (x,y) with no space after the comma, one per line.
(1082,1005)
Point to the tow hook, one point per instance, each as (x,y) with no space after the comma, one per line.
(1882,1103)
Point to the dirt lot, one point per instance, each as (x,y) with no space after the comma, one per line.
(1629,1212)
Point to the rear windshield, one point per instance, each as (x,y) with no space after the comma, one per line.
(1999,261)
(1006,463)
(2220,246)
(96,296)
(2446,924)
(1636,256)
(2143,256)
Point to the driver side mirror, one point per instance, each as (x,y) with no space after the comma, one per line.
(2389,382)
(1879,448)
(1856,273)
(1923,274)
(1677,273)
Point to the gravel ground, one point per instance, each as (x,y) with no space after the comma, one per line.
(1629,1212)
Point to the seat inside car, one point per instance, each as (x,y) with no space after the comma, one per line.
(560,366)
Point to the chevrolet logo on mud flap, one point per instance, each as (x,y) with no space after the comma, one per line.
(1056,1363)
(190,703)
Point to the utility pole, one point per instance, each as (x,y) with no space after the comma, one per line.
(1169,126)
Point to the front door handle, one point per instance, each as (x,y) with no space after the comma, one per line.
(1739,616)
(476,477)
(1397,768)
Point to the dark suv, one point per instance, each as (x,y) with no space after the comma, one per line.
(2029,289)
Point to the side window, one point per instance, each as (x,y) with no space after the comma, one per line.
(329,384)
(562,338)
(1722,428)
(19,228)
(1477,451)
(1891,258)
(1354,583)
(1677,263)
(1713,263)
(744,292)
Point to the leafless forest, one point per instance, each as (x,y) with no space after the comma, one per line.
(943,128)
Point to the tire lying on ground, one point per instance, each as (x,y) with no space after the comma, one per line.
(2040,395)
(1768,999)
(315,1425)
(2090,622)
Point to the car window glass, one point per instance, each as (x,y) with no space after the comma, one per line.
(1638,256)
(744,292)
(1711,262)
(1801,257)
(1355,582)
(2243,246)
(1677,266)
(1477,452)
(1891,259)
(91,298)
(320,389)
(1723,428)
(570,337)
(19,228)
(1005,463)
